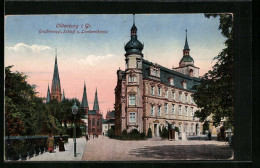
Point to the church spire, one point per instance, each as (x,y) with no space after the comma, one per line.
(55,86)
(48,99)
(96,106)
(84,102)
(63,96)
(186,59)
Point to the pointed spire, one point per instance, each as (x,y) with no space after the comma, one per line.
(84,102)
(63,96)
(134,19)
(56,78)
(48,95)
(96,106)
(55,55)
(186,46)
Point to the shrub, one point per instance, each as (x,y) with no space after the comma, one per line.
(164,132)
(111,133)
(149,133)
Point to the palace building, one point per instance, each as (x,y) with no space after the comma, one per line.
(149,95)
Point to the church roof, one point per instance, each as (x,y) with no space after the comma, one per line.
(96,105)
(92,112)
(166,73)
(187,58)
(63,96)
(84,102)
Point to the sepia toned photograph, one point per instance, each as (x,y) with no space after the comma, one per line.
(118,87)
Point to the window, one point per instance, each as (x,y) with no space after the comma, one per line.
(159,110)
(191,128)
(173,95)
(180,97)
(166,108)
(186,110)
(131,99)
(184,85)
(93,121)
(191,111)
(179,109)
(192,100)
(105,127)
(173,112)
(132,117)
(152,90)
(171,81)
(186,97)
(185,128)
(179,127)
(159,91)
(166,94)
(156,73)
(152,110)
(98,122)
(132,79)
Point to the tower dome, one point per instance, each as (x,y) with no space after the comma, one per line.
(134,46)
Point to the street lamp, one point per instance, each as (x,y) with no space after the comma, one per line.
(74,109)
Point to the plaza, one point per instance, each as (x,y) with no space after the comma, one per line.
(106,149)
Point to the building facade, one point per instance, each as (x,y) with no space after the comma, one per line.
(109,122)
(149,95)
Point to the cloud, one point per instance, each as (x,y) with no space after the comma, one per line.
(21,47)
(95,60)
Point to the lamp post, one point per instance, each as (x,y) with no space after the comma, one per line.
(74,109)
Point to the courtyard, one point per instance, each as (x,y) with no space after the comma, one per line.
(105,149)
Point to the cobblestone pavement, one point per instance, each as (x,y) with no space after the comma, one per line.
(105,149)
(67,155)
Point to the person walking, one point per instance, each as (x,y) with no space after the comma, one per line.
(61,143)
(87,137)
(209,135)
(93,136)
(50,143)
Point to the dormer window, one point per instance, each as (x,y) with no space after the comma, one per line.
(155,71)
(184,85)
(171,81)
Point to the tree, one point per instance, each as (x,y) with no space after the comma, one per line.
(214,96)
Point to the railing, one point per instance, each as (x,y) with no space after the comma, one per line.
(25,147)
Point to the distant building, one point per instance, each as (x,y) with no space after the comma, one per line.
(109,122)
(149,95)
(93,118)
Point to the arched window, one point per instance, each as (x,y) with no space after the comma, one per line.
(191,72)
(98,122)
(93,121)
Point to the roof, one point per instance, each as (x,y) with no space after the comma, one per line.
(92,112)
(166,73)
(96,105)
(110,114)
(108,121)
(187,58)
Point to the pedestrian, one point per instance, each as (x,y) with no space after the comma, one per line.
(61,143)
(50,143)
(103,133)
(209,135)
(93,136)
(86,137)
(97,135)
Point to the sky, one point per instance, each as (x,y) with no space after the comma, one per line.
(30,42)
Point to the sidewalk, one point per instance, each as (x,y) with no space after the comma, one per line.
(67,155)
